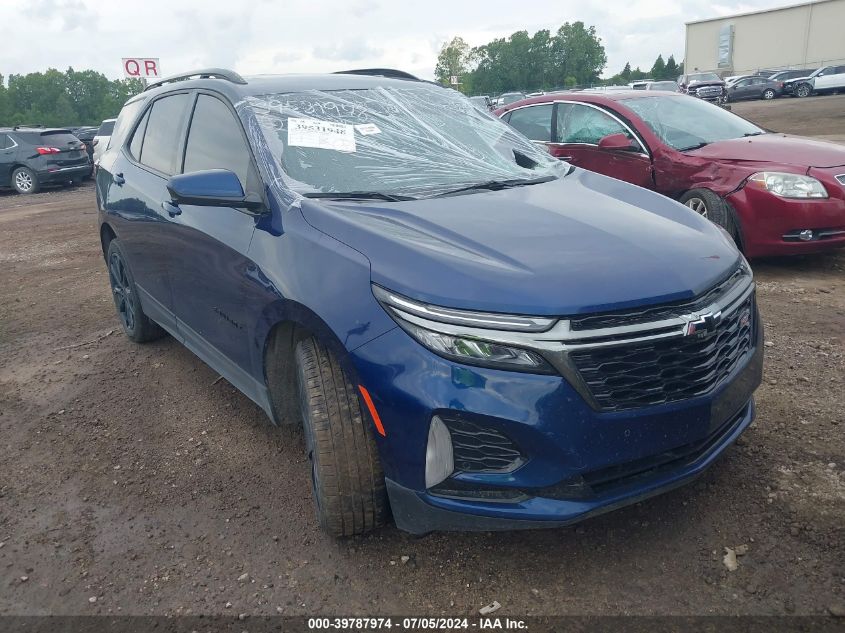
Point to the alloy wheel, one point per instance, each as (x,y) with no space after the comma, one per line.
(23,181)
(122,291)
(698,205)
(769,94)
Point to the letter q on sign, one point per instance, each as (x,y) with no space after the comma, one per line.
(141,67)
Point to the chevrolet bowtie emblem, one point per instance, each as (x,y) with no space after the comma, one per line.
(703,324)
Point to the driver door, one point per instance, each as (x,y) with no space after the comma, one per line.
(577,130)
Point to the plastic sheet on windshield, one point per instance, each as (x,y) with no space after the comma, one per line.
(418,141)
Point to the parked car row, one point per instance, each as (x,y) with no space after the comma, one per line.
(32,156)
(774,194)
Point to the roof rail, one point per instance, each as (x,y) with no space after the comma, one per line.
(380,72)
(203,73)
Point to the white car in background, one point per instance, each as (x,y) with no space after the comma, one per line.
(101,138)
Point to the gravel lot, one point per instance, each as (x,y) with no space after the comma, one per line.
(132,482)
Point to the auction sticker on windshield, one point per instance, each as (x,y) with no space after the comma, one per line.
(321,134)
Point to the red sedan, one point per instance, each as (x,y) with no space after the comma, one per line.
(776,194)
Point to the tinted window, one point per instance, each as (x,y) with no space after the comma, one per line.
(61,138)
(161,138)
(138,138)
(120,128)
(215,140)
(106,128)
(840,70)
(578,123)
(534,121)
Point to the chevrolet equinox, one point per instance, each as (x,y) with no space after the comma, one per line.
(475,335)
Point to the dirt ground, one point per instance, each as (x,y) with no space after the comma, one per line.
(132,482)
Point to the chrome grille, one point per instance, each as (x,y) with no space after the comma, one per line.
(708,91)
(660,312)
(667,370)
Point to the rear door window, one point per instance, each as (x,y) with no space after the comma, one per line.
(534,121)
(163,133)
(4,141)
(215,140)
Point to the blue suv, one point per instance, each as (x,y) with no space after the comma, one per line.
(475,334)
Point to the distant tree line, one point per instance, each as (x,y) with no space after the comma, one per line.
(55,98)
(660,70)
(571,56)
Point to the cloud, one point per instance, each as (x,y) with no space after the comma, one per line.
(348,50)
(308,36)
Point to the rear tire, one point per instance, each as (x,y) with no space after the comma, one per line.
(25,181)
(137,326)
(709,205)
(769,94)
(346,474)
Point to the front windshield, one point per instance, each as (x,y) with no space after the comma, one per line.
(704,77)
(415,141)
(686,122)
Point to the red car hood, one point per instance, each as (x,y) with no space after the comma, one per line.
(776,148)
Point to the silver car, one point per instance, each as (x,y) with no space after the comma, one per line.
(101,139)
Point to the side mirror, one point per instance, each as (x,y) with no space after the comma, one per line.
(211,188)
(617,142)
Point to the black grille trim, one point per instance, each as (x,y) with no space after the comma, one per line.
(482,449)
(670,369)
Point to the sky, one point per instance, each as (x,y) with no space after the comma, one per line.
(288,36)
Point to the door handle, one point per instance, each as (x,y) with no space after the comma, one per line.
(568,159)
(118,179)
(172,209)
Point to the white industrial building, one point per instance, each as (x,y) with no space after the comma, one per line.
(807,35)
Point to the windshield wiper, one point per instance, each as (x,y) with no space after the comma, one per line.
(358,195)
(747,134)
(498,185)
(696,146)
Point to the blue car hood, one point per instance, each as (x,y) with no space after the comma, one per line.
(584,243)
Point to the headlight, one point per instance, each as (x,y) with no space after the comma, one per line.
(450,333)
(789,185)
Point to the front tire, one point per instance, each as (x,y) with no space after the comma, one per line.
(803,90)
(709,205)
(137,326)
(25,181)
(346,474)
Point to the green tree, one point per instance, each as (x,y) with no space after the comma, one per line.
(671,68)
(625,75)
(56,98)
(578,52)
(452,60)
(658,70)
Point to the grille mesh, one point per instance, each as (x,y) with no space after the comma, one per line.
(667,370)
(479,449)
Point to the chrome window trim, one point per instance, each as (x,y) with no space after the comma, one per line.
(9,136)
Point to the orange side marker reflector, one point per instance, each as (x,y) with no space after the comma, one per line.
(373,412)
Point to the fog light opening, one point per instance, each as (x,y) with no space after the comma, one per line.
(806,235)
(439,459)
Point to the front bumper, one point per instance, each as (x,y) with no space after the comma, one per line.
(770,225)
(562,438)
